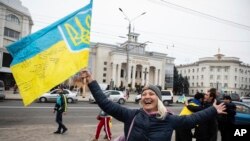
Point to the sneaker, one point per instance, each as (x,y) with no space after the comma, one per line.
(64,130)
(57,132)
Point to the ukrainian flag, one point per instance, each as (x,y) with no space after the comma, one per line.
(50,56)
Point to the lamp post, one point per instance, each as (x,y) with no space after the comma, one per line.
(127,47)
(130,20)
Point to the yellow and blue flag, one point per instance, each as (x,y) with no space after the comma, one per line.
(48,57)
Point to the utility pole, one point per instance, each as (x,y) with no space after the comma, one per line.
(128,42)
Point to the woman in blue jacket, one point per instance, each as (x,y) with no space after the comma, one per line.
(152,121)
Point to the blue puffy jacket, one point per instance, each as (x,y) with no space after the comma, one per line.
(148,127)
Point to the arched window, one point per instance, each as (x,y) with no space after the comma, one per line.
(12,18)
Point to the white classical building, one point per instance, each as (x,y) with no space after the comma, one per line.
(15,23)
(108,63)
(227,74)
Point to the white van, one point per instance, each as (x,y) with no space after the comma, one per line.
(2,95)
(167,97)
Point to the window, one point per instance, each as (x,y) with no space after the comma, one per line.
(218,77)
(104,80)
(197,77)
(235,69)
(203,69)
(104,74)
(211,69)
(245,79)
(193,84)
(12,18)
(225,85)
(225,77)
(235,85)
(7,59)
(211,76)
(226,69)
(105,63)
(11,33)
(202,77)
(201,84)
(105,69)
(211,84)
(235,78)
(197,69)
(122,73)
(193,70)
(218,69)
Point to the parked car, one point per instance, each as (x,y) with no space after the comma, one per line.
(52,96)
(137,98)
(113,95)
(245,99)
(242,116)
(2,91)
(234,96)
(167,97)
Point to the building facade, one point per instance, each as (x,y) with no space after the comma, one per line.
(15,23)
(227,74)
(108,63)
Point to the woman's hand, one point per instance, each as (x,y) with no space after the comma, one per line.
(85,74)
(220,107)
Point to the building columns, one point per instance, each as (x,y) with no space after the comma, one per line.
(114,73)
(133,77)
(118,75)
(143,76)
(155,76)
(147,75)
(160,76)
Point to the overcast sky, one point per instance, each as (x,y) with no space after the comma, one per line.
(184,29)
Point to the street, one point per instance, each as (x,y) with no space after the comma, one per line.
(37,121)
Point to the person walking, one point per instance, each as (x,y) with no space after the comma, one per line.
(195,105)
(208,131)
(60,109)
(152,121)
(226,121)
(104,121)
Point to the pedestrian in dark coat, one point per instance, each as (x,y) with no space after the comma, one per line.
(60,109)
(208,130)
(226,121)
(185,134)
(152,121)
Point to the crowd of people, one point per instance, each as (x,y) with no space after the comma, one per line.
(152,121)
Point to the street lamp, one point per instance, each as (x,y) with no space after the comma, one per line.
(130,20)
(127,48)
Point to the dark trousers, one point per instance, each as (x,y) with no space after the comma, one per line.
(60,121)
(183,135)
(226,131)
